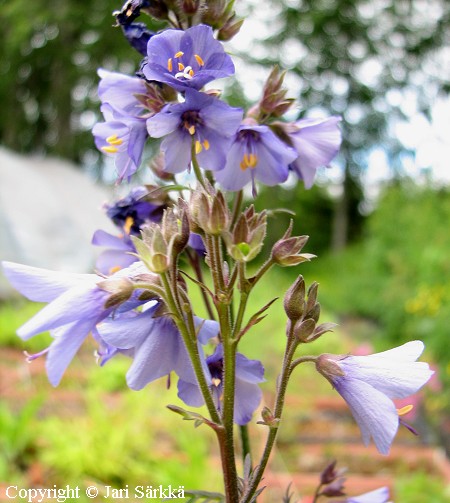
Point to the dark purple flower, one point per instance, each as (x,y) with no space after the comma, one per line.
(138,36)
(203,120)
(369,384)
(256,154)
(378,496)
(123,138)
(247,392)
(155,344)
(196,243)
(317,142)
(134,210)
(76,303)
(186,59)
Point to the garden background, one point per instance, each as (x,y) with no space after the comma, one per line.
(378,221)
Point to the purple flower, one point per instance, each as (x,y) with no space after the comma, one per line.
(247,393)
(123,138)
(119,92)
(369,384)
(138,36)
(203,120)
(76,303)
(317,142)
(186,59)
(117,256)
(256,153)
(155,344)
(378,496)
(133,211)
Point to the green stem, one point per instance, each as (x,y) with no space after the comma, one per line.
(237,206)
(291,346)
(245,441)
(192,349)
(195,263)
(263,269)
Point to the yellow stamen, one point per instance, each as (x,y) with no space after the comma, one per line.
(114,140)
(180,67)
(191,72)
(191,130)
(129,221)
(169,64)
(110,150)
(248,161)
(199,60)
(404,410)
(216,381)
(206,144)
(178,54)
(114,269)
(198,147)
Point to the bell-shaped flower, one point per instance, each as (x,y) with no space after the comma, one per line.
(317,142)
(380,495)
(201,121)
(369,384)
(249,373)
(256,154)
(76,303)
(155,344)
(186,59)
(123,138)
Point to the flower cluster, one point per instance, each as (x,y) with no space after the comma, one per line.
(198,126)
(139,305)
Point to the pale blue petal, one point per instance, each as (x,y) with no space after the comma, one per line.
(374,412)
(378,496)
(247,399)
(42,285)
(86,302)
(68,340)
(396,379)
(251,371)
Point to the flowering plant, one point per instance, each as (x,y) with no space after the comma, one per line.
(138,304)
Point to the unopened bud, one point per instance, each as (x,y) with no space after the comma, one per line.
(304,328)
(294,300)
(268,419)
(230,28)
(190,7)
(120,289)
(285,252)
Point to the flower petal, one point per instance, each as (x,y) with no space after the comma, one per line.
(374,412)
(247,399)
(42,285)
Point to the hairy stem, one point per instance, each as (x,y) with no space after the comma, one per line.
(291,346)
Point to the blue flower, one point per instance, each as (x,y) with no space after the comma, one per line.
(378,496)
(369,384)
(155,344)
(186,59)
(133,211)
(119,92)
(202,119)
(317,142)
(123,138)
(76,303)
(256,154)
(247,392)
(117,256)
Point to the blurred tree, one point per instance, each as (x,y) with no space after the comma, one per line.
(374,62)
(49,56)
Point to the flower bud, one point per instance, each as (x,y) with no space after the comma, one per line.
(230,28)
(247,238)
(304,328)
(327,365)
(294,300)
(190,7)
(209,211)
(120,289)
